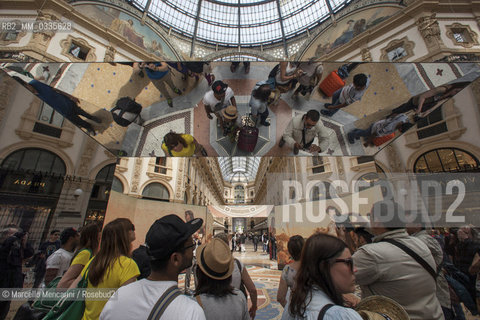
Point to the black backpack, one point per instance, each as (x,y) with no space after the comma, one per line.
(125,104)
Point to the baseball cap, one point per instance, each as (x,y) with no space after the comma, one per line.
(168,233)
(219,87)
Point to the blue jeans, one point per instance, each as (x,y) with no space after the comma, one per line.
(335,102)
(357,133)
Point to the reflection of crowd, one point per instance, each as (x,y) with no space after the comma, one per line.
(296,79)
(400,119)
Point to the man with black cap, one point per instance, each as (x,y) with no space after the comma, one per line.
(217,99)
(170,246)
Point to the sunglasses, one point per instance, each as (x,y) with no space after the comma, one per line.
(190,246)
(348,262)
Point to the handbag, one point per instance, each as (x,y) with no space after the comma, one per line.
(68,309)
(44,303)
(27,312)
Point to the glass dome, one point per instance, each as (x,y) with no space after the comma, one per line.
(245,23)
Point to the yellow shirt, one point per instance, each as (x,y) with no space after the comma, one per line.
(123,269)
(187,151)
(81,258)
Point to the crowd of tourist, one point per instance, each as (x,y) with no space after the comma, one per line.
(420,271)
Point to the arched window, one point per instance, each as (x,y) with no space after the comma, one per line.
(117,185)
(97,205)
(103,183)
(156,191)
(446,160)
(36,160)
(31,183)
(239,194)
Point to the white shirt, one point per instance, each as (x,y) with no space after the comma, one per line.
(319,300)
(349,94)
(257,106)
(387,126)
(136,300)
(60,260)
(310,70)
(217,105)
(289,70)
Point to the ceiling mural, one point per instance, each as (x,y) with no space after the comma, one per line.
(348,28)
(128,27)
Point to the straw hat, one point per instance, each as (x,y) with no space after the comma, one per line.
(381,308)
(215,259)
(230,112)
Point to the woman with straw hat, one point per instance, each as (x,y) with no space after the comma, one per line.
(215,293)
(229,120)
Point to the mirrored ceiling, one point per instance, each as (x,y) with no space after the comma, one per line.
(93,96)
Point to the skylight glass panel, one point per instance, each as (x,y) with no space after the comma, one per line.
(141,3)
(219,14)
(293,6)
(305,18)
(259,19)
(336,3)
(209,32)
(172,17)
(185,5)
(252,1)
(259,14)
(261,34)
(229,1)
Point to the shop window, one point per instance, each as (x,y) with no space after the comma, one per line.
(446,160)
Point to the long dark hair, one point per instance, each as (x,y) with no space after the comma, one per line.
(315,263)
(217,288)
(295,245)
(172,139)
(89,237)
(115,243)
